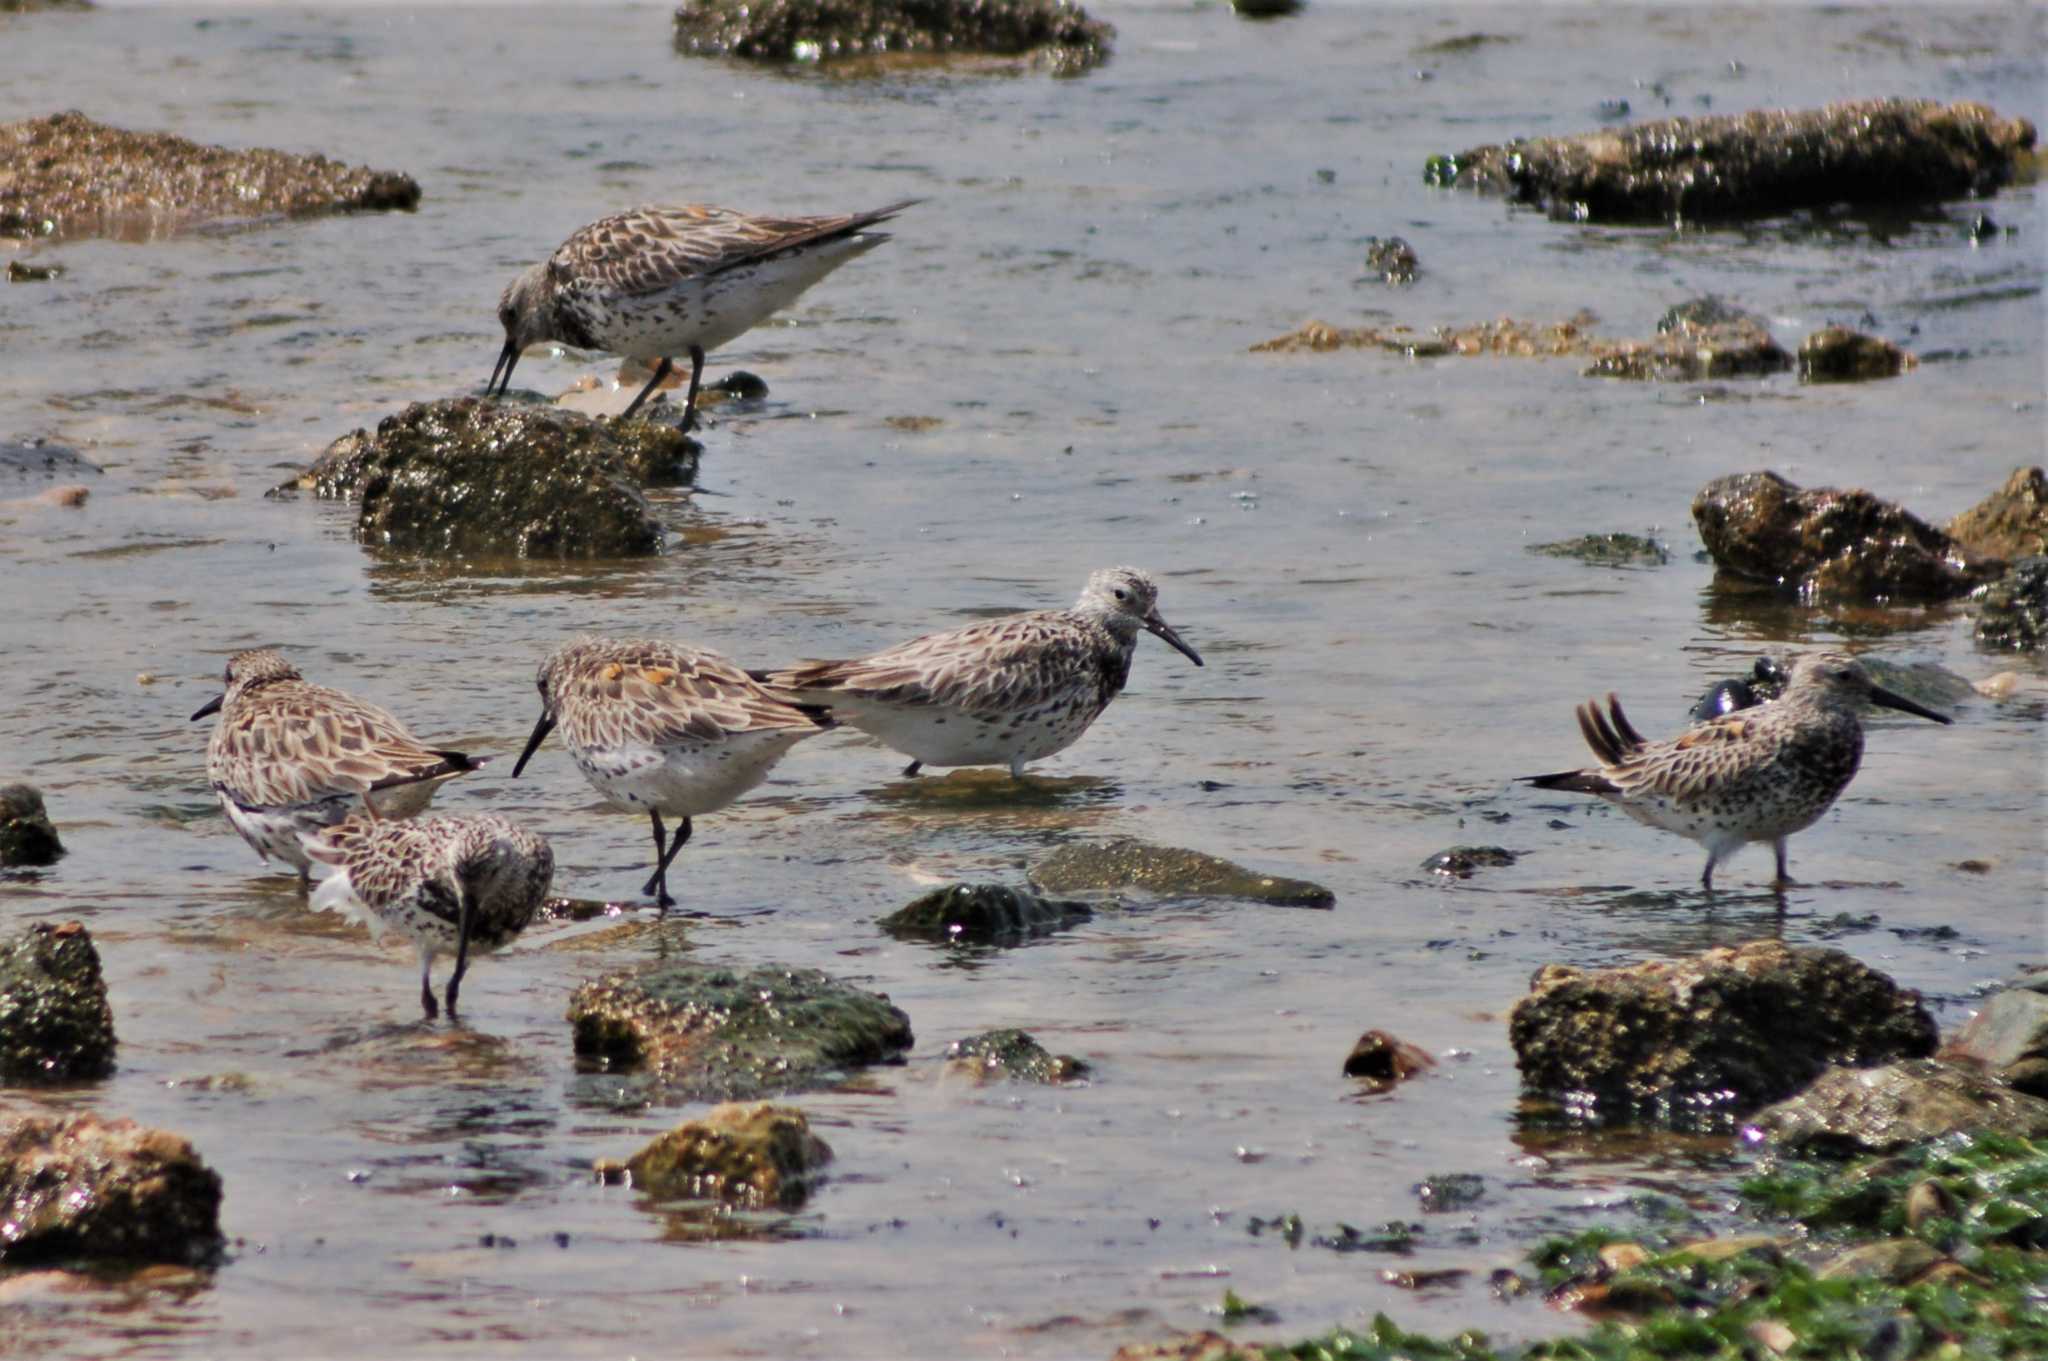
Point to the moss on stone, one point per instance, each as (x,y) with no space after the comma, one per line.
(55,1024)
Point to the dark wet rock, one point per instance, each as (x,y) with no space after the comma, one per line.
(43,458)
(2008,1038)
(26,836)
(709,1033)
(66,175)
(1265,9)
(1836,354)
(1765,681)
(31,6)
(1712,1036)
(55,1024)
(1462,862)
(19,273)
(1012,1056)
(1169,872)
(1393,259)
(1048,33)
(740,385)
(1607,550)
(1830,541)
(1704,338)
(2012,612)
(756,1155)
(1463,42)
(1850,1111)
(984,913)
(2011,523)
(86,1188)
(1448,1191)
(464,476)
(1695,315)
(1384,1059)
(1728,166)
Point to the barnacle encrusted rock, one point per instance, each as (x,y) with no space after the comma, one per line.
(463,476)
(983,914)
(703,1032)
(1050,33)
(1014,1056)
(67,175)
(1698,1040)
(55,1024)
(1169,872)
(759,1156)
(26,836)
(84,1187)
(1889,151)
(1849,1111)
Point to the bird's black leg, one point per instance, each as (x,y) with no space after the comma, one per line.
(662,899)
(461,952)
(696,377)
(910,771)
(427,1002)
(661,371)
(647,889)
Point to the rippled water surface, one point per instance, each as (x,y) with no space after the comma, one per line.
(1045,371)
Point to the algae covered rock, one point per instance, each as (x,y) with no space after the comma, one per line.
(1169,872)
(67,175)
(1383,1059)
(1737,347)
(2012,612)
(1836,354)
(1014,1056)
(55,1024)
(755,1155)
(463,476)
(2011,523)
(1831,542)
(26,836)
(1049,33)
(1702,1039)
(1732,166)
(1607,550)
(1850,1111)
(983,913)
(704,1032)
(87,1188)
(1462,862)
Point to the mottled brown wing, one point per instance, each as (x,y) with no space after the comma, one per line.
(996,666)
(293,744)
(645,250)
(1707,760)
(657,695)
(384,860)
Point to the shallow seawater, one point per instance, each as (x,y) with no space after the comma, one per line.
(1045,371)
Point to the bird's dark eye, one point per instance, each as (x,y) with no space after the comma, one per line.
(1120,593)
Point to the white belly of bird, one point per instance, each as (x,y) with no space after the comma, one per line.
(275,832)
(939,737)
(686,781)
(711,312)
(1730,821)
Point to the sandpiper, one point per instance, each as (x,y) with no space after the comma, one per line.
(1001,692)
(1757,774)
(288,758)
(665,728)
(656,282)
(456,883)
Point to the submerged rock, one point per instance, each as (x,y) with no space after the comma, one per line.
(709,1033)
(1691,349)
(1393,259)
(1607,550)
(984,913)
(26,836)
(1830,541)
(1884,151)
(1048,33)
(1701,1039)
(1169,872)
(1014,1056)
(759,1156)
(2008,1037)
(465,476)
(55,1024)
(1385,1059)
(1836,354)
(1848,1111)
(2012,611)
(43,458)
(2011,523)
(67,175)
(1462,862)
(84,1187)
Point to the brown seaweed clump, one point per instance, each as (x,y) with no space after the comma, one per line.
(1048,33)
(67,175)
(1731,166)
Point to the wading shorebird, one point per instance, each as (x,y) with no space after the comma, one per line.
(665,728)
(288,758)
(1757,774)
(655,282)
(452,884)
(1001,692)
